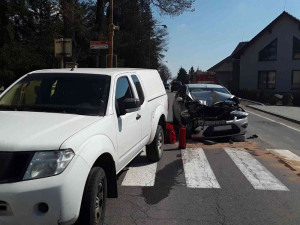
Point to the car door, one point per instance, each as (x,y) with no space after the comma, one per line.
(129,124)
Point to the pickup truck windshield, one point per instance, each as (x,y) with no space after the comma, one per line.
(84,94)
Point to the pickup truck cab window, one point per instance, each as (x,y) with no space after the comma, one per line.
(123,91)
(139,88)
(84,94)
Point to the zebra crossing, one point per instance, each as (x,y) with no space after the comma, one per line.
(199,173)
(141,175)
(259,176)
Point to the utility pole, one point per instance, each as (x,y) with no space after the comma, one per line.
(111,35)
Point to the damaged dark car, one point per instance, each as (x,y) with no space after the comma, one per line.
(209,111)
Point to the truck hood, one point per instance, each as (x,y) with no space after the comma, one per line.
(38,131)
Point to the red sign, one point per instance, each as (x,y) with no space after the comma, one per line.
(98,44)
(205,78)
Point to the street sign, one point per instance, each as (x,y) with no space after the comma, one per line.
(98,44)
(63,47)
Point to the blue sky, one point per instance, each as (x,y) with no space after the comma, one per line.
(208,35)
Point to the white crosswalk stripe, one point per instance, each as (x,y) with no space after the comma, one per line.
(254,171)
(288,156)
(140,174)
(198,173)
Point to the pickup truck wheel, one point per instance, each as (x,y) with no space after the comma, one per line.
(154,151)
(93,204)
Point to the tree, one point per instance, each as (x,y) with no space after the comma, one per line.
(28,28)
(182,76)
(164,72)
(139,43)
(191,74)
(6,38)
(173,8)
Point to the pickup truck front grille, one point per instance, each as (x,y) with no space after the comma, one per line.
(13,165)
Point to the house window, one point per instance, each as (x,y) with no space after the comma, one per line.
(266,80)
(269,53)
(296,79)
(296,48)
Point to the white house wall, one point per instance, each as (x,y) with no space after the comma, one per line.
(284,31)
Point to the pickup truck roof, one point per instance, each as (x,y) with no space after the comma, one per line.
(103,71)
(152,83)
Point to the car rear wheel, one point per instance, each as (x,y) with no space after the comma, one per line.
(93,204)
(154,151)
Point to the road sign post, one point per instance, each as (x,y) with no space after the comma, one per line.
(98,45)
(62,48)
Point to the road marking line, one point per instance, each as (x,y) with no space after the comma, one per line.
(198,173)
(287,155)
(254,171)
(293,128)
(140,174)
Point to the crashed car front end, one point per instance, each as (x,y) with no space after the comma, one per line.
(213,114)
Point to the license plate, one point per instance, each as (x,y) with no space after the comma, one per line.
(211,123)
(221,128)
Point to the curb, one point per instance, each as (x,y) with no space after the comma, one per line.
(274,114)
(257,103)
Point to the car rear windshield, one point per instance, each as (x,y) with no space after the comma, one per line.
(84,94)
(198,89)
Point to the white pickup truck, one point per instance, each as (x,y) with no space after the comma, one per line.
(66,133)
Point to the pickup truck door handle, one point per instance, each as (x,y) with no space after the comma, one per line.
(138,116)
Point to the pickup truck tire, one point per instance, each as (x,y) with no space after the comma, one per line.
(154,150)
(93,204)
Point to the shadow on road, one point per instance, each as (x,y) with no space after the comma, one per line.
(166,179)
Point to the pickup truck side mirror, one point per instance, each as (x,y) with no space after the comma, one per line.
(131,105)
(179,99)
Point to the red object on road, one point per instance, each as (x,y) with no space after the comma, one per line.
(170,133)
(182,138)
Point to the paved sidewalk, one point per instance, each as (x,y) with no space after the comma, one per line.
(286,112)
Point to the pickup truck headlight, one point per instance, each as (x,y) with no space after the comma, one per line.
(48,163)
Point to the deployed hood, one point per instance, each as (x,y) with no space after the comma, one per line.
(210,98)
(36,131)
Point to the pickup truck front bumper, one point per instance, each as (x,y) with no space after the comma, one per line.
(19,202)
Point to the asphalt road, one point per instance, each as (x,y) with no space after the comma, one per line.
(273,132)
(223,186)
